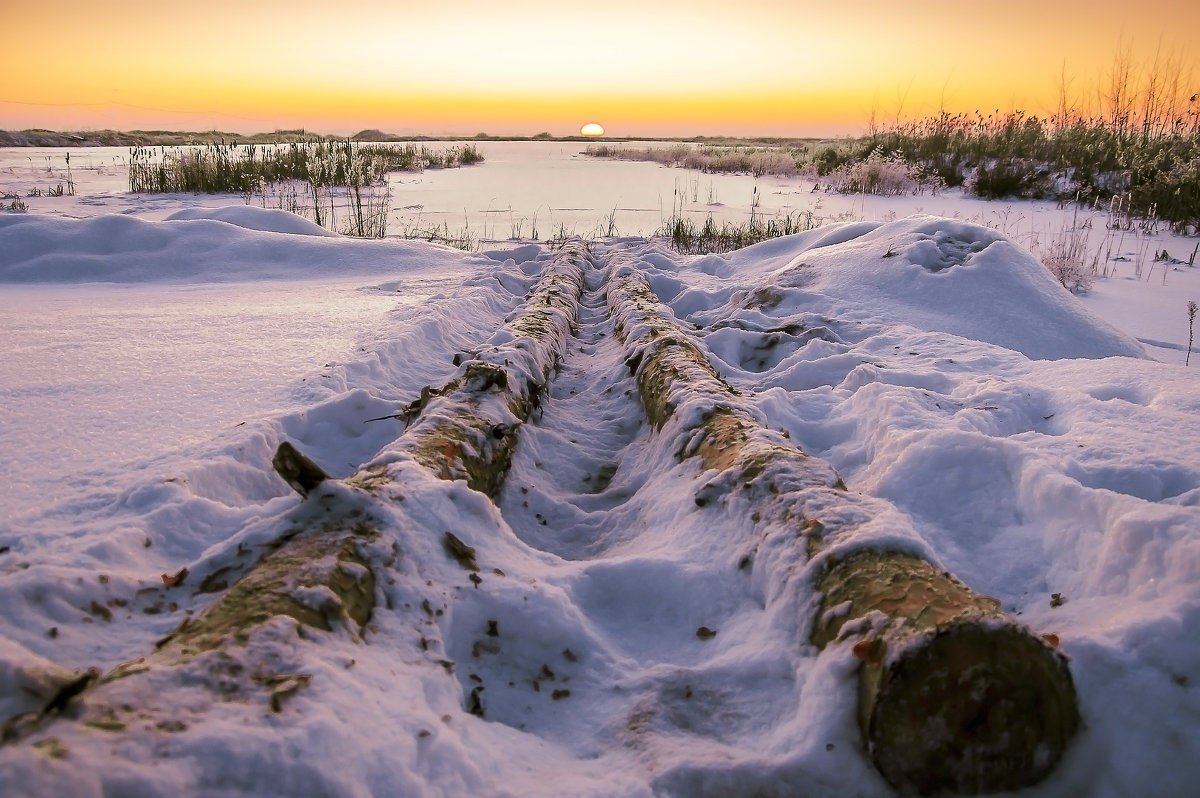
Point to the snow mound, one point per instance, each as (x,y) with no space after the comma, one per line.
(122,249)
(268,220)
(933,274)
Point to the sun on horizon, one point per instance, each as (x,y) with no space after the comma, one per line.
(592,129)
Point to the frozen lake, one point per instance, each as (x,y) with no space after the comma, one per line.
(527,189)
(531,189)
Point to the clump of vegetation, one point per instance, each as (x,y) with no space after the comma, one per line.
(1155,165)
(885,175)
(313,179)
(462,239)
(466,155)
(785,160)
(1067,259)
(688,238)
(1141,143)
(62,184)
(1191,310)
(238,169)
(683,233)
(70,180)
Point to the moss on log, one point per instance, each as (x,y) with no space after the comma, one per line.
(331,559)
(321,579)
(954,695)
(668,366)
(671,369)
(669,362)
(470,448)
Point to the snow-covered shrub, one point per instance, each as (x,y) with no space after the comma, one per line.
(1066,258)
(773,162)
(757,161)
(1010,177)
(888,175)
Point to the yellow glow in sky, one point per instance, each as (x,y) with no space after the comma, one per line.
(672,68)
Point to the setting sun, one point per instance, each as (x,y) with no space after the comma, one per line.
(592,129)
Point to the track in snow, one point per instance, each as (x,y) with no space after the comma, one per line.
(576,463)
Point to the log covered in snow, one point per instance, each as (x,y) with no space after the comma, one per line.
(954,695)
(320,576)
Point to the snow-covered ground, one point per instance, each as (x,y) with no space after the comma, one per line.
(1021,436)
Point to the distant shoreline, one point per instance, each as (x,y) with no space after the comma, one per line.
(172,138)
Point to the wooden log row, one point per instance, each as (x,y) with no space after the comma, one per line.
(320,573)
(954,695)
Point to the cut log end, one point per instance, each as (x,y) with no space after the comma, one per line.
(954,695)
(973,709)
(302,474)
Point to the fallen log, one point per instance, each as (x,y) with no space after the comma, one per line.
(317,576)
(468,430)
(321,574)
(953,694)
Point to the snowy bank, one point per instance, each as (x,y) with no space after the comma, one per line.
(239,243)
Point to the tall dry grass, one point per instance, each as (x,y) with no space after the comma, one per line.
(340,185)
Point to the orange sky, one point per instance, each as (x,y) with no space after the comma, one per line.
(664,68)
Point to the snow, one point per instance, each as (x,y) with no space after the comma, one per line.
(1020,436)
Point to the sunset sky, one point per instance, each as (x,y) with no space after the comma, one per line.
(660,68)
